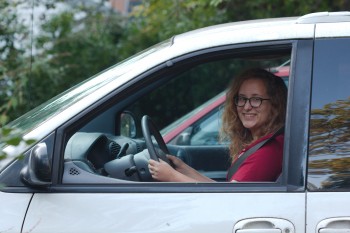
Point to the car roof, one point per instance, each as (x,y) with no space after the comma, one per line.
(249,31)
(325,17)
(274,28)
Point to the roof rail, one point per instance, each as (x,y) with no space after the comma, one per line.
(325,17)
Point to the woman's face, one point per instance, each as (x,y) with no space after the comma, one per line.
(254,118)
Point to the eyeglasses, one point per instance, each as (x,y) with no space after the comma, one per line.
(255,102)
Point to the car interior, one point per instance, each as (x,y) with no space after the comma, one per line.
(114,139)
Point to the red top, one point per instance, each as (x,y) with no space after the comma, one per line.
(265,164)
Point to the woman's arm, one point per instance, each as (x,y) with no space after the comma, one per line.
(183,168)
(162,171)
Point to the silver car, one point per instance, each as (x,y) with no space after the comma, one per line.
(87,171)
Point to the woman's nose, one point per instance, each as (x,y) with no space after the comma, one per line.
(247,105)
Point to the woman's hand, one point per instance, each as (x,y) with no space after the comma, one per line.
(161,170)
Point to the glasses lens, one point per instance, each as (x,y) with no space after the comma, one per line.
(255,102)
(240,101)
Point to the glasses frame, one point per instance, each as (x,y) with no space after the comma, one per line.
(236,99)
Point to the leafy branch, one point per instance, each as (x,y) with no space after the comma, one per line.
(11,137)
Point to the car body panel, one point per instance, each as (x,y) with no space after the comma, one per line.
(13,210)
(327,30)
(181,212)
(331,206)
(248,31)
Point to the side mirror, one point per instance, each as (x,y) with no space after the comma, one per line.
(127,125)
(37,171)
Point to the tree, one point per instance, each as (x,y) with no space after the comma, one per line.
(155,21)
(73,44)
(14,64)
(73,49)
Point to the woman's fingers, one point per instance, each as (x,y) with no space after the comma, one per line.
(153,167)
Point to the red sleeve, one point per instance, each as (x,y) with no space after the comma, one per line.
(264,165)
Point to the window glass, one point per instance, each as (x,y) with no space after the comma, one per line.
(206,132)
(329,142)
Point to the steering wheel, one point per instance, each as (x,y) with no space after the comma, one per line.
(149,129)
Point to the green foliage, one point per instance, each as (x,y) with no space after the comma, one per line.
(155,20)
(13,64)
(74,50)
(72,45)
(12,137)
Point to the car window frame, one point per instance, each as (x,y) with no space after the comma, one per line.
(294,169)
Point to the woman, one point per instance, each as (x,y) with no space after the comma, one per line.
(255,109)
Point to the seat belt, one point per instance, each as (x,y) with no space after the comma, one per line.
(233,169)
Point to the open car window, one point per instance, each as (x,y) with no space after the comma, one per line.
(106,145)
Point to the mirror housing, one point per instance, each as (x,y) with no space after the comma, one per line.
(37,171)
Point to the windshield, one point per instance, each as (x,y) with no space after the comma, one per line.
(33,118)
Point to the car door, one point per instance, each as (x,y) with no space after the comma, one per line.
(13,210)
(79,201)
(329,149)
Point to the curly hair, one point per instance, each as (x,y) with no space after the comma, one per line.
(232,127)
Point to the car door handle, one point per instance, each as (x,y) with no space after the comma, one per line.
(334,225)
(264,225)
(259,231)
